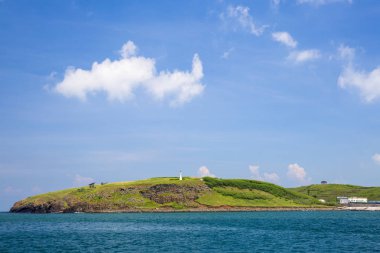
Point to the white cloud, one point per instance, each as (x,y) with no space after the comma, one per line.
(128,49)
(284,38)
(368,83)
(80,181)
(120,78)
(296,56)
(376,158)
(296,172)
(205,172)
(269,177)
(254,169)
(346,53)
(323,2)
(180,86)
(304,55)
(244,19)
(226,54)
(275,3)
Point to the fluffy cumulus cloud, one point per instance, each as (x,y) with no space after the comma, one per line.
(269,177)
(366,82)
(120,78)
(304,55)
(284,38)
(241,15)
(80,180)
(376,158)
(323,2)
(296,172)
(205,172)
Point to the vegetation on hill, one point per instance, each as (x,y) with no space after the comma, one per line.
(329,192)
(166,194)
(258,190)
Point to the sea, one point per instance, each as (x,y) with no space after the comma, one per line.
(276,231)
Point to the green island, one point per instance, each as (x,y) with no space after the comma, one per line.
(169,194)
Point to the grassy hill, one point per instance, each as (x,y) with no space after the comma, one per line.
(243,192)
(166,194)
(329,192)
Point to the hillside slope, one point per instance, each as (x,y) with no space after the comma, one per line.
(329,192)
(166,194)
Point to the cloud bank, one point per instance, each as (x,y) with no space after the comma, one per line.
(120,78)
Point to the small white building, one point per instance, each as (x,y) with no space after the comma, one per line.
(343,200)
(347,200)
(357,200)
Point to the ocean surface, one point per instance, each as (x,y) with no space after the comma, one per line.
(308,231)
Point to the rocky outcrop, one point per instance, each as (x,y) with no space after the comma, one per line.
(166,193)
(47,207)
(87,200)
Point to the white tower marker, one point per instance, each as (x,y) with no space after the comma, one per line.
(180,175)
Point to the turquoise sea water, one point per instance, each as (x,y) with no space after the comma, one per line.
(192,232)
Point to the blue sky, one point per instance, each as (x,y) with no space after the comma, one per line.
(286,91)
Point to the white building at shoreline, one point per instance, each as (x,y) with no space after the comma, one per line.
(357,200)
(347,200)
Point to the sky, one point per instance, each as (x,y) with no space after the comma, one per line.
(285,91)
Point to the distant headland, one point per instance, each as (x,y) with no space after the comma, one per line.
(170,194)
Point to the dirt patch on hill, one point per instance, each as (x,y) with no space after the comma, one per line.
(166,193)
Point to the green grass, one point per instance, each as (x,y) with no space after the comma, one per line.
(110,196)
(216,199)
(264,187)
(329,192)
(251,194)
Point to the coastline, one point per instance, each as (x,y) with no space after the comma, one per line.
(208,210)
(223,209)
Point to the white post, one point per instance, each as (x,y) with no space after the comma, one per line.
(180,175)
